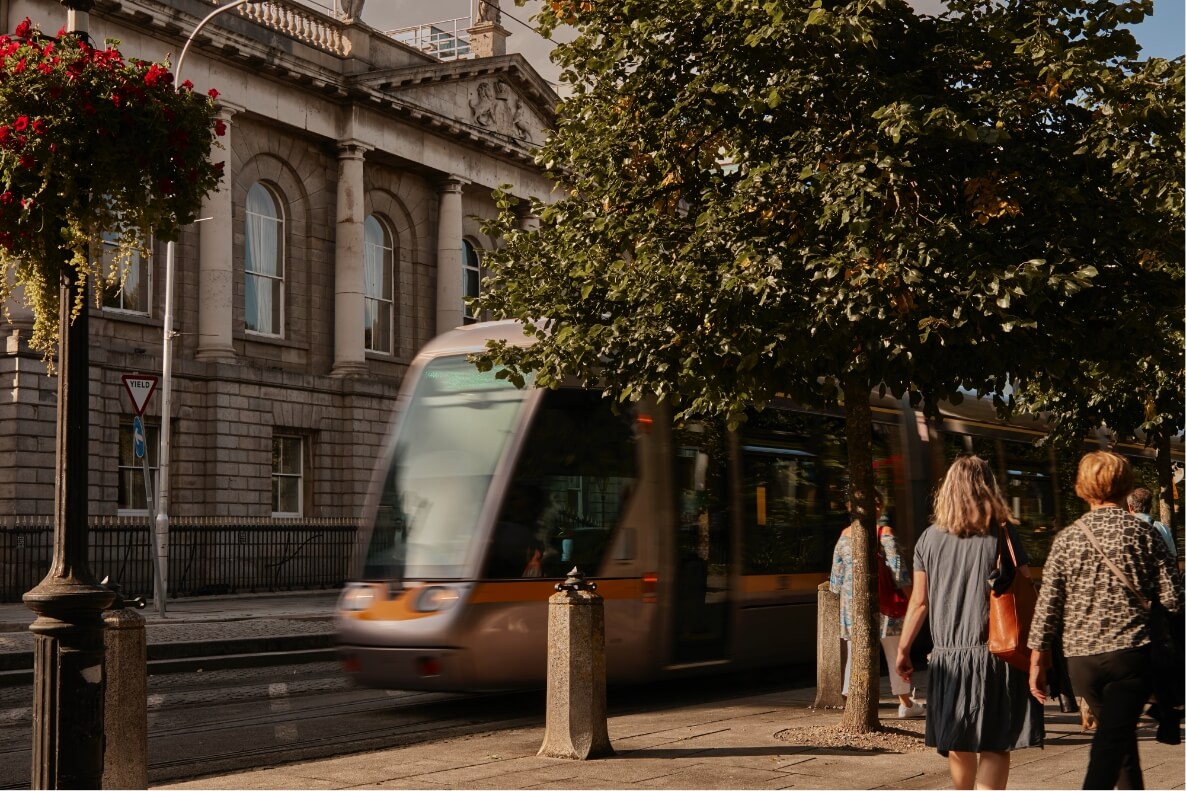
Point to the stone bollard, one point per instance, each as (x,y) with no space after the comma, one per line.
(829,663)
(125,715)
(576,720)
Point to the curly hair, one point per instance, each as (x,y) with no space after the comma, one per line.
(968,502)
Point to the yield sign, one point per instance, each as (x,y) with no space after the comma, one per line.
(140,387)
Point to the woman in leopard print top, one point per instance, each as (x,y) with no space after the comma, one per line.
(1104,629)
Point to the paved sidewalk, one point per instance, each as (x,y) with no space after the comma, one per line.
(746,743)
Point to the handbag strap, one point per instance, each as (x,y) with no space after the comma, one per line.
(1115,569)
(1005,539)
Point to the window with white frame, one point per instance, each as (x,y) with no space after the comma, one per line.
(132,293)
(379,305)
(288,475)
(263,263)
(471,278)
(133,497)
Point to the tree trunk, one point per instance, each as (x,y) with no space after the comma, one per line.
(1165,478)
(861,710)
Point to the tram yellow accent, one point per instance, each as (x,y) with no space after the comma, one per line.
(540,590)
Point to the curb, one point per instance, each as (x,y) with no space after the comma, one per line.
(20,676)
(17,667)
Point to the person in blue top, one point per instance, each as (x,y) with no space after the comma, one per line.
(1140,502)
(889,627)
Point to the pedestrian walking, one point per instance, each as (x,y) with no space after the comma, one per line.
(1140,502)
(1104,627)
(977,707)
(889,622)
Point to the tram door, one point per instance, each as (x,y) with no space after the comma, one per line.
(702,599)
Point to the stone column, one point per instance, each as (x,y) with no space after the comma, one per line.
(829,663)
(216,266)
(450,310)
(349,263)
(575,725)
(526,220)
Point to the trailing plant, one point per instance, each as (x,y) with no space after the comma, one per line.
(91,143)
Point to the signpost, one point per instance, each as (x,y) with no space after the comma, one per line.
(140,388)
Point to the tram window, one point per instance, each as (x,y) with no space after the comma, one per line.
(786,513)
(450,441)
(795,492)
(572,482)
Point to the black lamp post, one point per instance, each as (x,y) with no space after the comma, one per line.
(68,739)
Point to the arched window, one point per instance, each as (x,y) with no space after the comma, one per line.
(471,278)
(379,305)
(133,292)
(263,263)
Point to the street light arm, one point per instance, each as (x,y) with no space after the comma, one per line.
(202,24)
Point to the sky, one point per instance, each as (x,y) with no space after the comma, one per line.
(1161,35)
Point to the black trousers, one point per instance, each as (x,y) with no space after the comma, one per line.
(1116,685)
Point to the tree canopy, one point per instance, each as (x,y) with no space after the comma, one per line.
(824,198)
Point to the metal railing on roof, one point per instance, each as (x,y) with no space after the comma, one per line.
(447,40)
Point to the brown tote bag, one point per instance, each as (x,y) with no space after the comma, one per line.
(1011,603)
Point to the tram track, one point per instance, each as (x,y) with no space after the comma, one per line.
(193,741)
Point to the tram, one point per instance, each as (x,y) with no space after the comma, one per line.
(707,546)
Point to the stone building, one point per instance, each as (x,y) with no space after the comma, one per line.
(345,235)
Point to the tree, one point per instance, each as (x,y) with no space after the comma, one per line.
(1128,376)
(812,198)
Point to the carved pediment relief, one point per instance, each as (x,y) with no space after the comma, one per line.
(496,106)
(496,96)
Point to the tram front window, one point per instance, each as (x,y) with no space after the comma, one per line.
(572,481)
(450,440)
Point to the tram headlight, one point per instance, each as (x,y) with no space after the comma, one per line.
(435,598)
(356,598)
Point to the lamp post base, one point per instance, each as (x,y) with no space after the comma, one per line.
(68,740)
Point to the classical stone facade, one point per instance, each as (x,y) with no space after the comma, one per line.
(354,145)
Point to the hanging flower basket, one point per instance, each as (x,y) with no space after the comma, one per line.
(91,143)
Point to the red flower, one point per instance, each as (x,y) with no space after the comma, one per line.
(21,123)
(27,162)
(187,86)
(212,93)
(23,29)
(5,134)
(39,126)
(7,197)
(157,75)
(220,127)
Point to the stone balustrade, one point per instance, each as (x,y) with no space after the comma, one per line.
(297,22)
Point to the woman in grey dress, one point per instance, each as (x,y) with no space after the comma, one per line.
(978,707)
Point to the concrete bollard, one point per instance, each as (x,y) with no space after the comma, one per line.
(829,663)
(125,709)
(576,720)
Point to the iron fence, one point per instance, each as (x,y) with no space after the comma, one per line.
(206,556)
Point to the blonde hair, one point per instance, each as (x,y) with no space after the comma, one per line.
(1104,477)
(968,501)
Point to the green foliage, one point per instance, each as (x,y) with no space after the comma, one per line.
(774,197)
(822,197)
(91,143)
